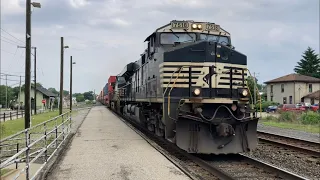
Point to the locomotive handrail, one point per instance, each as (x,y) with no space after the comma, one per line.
(255,86)
(170,90)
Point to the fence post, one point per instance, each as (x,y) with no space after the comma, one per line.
(45,141)
(17,157)
(4,117)
(10,116)
(17,113)
(56,134)
(27,154)
(62,127)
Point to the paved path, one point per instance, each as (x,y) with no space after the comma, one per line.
(106,148)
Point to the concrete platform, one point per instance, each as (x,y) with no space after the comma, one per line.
(106,148)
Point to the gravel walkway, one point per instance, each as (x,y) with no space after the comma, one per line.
(290,132)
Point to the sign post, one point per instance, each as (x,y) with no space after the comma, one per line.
(44,103)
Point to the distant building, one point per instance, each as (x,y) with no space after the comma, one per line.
(293,89)
(66,101)
(42,94)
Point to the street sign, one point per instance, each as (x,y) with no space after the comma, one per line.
(43,101)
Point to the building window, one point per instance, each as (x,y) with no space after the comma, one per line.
(271,99)
(310,88)
(271,88)
(290,99)
(282,88)
(285,100)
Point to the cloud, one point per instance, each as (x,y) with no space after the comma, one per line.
(104,35)
(79,3)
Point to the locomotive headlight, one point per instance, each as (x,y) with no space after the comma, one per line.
(194,26)
(244,93)
(199,26)
(196,91)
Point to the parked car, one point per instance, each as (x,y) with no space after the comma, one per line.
(315,107)
(307,106)
(291,107)
(271,109)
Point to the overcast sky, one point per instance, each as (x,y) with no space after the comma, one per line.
(104,35)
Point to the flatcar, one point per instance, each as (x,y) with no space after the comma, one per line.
(189,87)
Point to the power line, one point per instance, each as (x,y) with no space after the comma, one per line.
(9,79)
(5,74)
(7,51)
(12,36)
(10,40)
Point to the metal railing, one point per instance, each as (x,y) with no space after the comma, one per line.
(34,146)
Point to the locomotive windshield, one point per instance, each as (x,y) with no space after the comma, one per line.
(171,38)
(210,37)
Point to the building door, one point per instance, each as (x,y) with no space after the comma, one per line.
(284,100)
(290,99)
(32,103)
(312,101)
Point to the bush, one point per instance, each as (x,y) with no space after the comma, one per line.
(310,118)
(89,102)
(288,116)
(265,105)
(271,118)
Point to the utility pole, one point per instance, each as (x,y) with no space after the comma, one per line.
(19,94)
(71,83)
(35,80)
(61,78)
(6,91)
(27,100)
(254,89)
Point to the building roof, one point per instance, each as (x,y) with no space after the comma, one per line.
(315,95)
(45,91)
(294,78)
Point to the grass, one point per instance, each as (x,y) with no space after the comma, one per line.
(292,125)
(13,126)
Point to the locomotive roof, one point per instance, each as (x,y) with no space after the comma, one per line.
(186,25)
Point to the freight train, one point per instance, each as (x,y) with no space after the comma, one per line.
(189,87)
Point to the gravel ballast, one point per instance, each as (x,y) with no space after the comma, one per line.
(293,161)
(306,166)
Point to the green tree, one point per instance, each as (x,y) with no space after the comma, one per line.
(53,90)
(7,93)
(79,97)
(309,65)
(65,92)
(251,81)
(32,84)
(88,95)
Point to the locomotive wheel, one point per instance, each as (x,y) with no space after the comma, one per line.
(151,127)
(158,131)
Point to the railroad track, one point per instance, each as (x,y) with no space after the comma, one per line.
(211,167)
(303,146)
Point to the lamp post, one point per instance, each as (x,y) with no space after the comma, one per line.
(71,64)
(27,111)
(61,76)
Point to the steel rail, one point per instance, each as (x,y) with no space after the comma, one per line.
(309,147)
